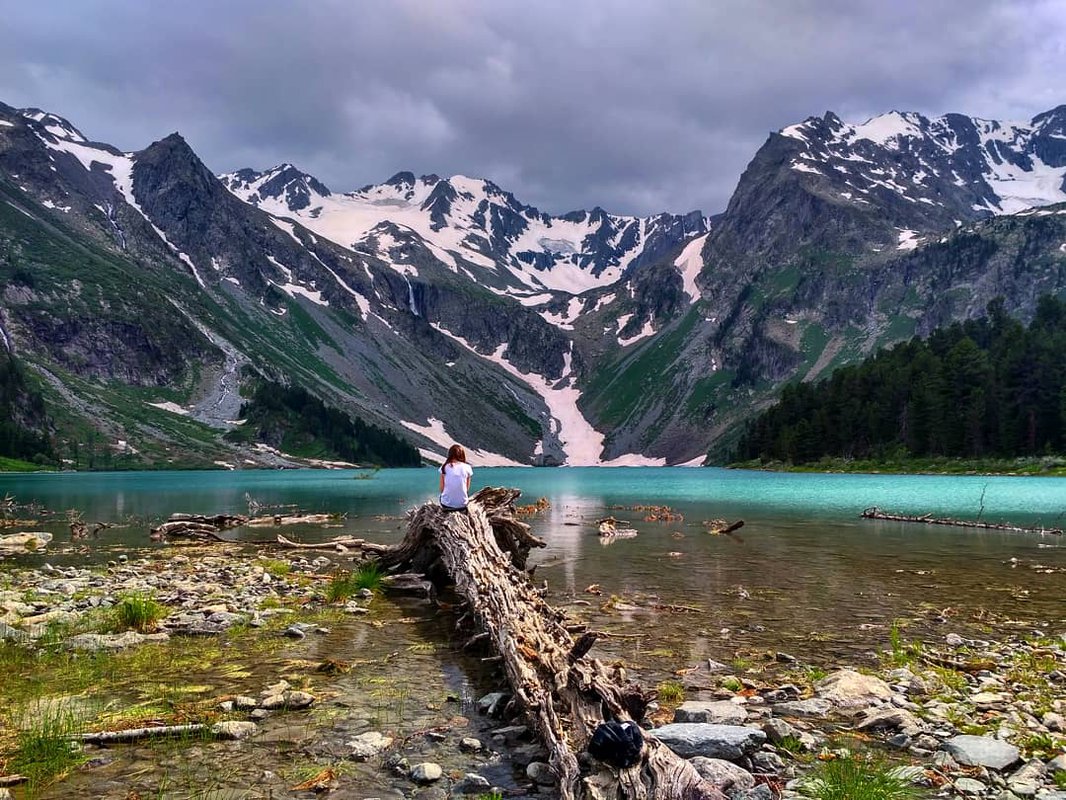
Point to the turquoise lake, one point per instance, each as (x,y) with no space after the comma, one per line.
(805,573)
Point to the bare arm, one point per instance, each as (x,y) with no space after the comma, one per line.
(442,482)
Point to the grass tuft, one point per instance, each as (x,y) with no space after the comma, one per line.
(854,778)
(671,692)
(44,750)
(345,584)
(139,612)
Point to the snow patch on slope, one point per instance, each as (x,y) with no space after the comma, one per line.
(438,434)
(689,264)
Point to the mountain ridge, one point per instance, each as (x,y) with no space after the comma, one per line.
(446,310)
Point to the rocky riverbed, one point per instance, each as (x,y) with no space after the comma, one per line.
(366,696)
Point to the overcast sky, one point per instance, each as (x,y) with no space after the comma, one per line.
(634,105)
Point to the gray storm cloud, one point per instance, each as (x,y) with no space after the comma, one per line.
(637,106)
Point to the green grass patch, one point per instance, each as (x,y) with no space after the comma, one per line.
(139,612)
(17,465)
(670,692)
(855,778)
(44,749)
(344,585)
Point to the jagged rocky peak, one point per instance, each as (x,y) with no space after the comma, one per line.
(54,124)
(295,189)
(965,168)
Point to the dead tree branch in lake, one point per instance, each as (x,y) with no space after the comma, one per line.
(876,513)
(566,693)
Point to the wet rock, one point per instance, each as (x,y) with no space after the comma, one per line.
(367,745)
(244,703)
(982,751)
(814,707)
(234,729)
(723,774)
(493,703)
(847,688)
(731,742)
(94,642)
(716,667)
(511,734)
(28,541)
(289,699)
(720,712)
(468,744)
(525,754)
(540,773)
(426,772)
(472,783)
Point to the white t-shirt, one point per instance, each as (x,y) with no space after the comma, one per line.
(455,477)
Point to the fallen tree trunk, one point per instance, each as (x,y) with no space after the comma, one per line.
(565,693)
(137,734)
(876,513)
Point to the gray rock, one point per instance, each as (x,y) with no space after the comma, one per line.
(1025,781)
(426,772)
(1051,721)
(911,774)
(94,642)
(717,667)
(889,719)
(288,699)
(540,773)
(814,707)
(469,744)
(8,633)
(1058,763)
(969,786)
(723,774)
(511,734)
(731,742)
(472,783)
(525,754)
(493,703)
(367,745)
(847,688)
(764,763)
(244,703)
(777,730)
(233,729)
(718,712)
(982,751)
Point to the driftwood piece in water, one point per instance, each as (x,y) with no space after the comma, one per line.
(197,526)
(565,693)
(294,519)
(876,513)
(337,543)
(608,529)
(12,780)
(718,526)
(137,734)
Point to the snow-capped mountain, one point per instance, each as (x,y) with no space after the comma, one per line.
(472,226)
(962,165)
(143,288)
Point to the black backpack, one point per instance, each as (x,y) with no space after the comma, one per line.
(617,743)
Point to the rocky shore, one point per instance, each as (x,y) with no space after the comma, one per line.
(295,695)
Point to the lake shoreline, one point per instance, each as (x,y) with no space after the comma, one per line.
(931,709)
(1050,467)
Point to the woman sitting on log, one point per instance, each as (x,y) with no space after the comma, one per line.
(455,477)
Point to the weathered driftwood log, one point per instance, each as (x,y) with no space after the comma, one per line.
(137,734)
(565,693)
(196,526)
(608,529)
(876,513)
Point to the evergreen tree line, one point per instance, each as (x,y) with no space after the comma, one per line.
(989,387)
(22,415)
(292,417)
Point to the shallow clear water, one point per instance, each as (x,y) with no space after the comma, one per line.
(805,573)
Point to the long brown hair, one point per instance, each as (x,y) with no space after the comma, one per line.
(455,453)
